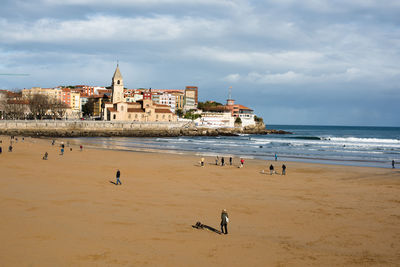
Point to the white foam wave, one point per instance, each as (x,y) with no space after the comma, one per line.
(363,140)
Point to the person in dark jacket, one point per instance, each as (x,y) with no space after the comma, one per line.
(392,164)
(224,221)
(283,169)
(271,169)
(222,161)
(117,176)
(230,161)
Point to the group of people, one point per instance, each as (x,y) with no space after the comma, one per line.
(217,159)
(222,160)
(272,169)
(62,149)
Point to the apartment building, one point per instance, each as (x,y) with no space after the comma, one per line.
(190,98)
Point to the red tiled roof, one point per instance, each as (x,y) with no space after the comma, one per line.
(112,109)
(23,102)
(243,107)
(161,106)
(96,96)
(136,110)
(162,111)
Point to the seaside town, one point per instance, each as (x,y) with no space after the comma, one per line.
(117,103)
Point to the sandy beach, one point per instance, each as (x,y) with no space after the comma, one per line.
(64,211)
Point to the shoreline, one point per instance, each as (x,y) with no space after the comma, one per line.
(328,161)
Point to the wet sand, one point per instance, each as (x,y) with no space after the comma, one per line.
(64,211)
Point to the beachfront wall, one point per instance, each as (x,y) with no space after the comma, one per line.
(90,128)
(51,128)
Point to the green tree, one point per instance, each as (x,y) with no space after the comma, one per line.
(179,112)
(39,105)
(209,105)
(88,108)
(238,121)
(191,116)
(258,119)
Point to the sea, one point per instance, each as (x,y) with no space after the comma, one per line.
(343,145)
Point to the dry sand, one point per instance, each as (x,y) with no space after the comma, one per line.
(65,212)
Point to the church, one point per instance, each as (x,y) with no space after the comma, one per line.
(141,111)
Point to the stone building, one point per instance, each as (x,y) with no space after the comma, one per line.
(144,110)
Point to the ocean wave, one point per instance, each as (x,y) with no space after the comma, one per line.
(362,140)
(305,137)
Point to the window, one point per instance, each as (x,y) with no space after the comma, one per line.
(122,108)
(118,82)
(157,116)
(163,116)
(135,116)
(114,116)
(129,116)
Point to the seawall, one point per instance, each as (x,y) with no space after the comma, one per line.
(50,128)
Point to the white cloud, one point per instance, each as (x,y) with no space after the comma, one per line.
(232,78)
(134,2)
(254,58)
(292,77)
(108,28)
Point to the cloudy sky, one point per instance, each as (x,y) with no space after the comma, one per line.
(324,62)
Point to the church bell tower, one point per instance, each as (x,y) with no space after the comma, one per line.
(117,87)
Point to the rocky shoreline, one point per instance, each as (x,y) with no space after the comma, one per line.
(80,129)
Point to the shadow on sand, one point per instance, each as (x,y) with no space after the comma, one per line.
(199,225)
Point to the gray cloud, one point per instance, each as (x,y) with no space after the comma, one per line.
(311,62)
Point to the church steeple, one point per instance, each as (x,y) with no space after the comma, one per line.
(117,87)
(117,74)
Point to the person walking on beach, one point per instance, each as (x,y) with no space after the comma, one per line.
(276,157)
(202,162)
(222,161)
(392,164)
(271,169)
(45,156)
(62,151)
(1,150)
(10,148)
(283,169)
(81,147)
(224,221)
(216,160)
(230,161)
(117,176)
(241,163)
(53,142)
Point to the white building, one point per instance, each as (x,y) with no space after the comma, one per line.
(216,120)
(169,100)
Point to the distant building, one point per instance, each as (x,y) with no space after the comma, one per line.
(144,110)
(222,119)
(190,98)
(168,100)
(226,115)
(244,113)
